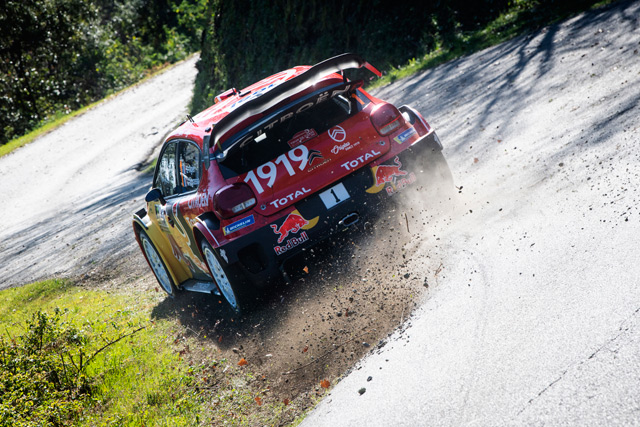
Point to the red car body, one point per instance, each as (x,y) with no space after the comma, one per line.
(272,169)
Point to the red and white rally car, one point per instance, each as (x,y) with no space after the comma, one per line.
(273,169)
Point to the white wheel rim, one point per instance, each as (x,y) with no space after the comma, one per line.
(157,266)
(220,278)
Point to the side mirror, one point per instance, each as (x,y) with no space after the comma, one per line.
(155,194)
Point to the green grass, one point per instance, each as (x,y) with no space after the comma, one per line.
(521,18)
(142,379)
(138,380)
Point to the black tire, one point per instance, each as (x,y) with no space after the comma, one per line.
(157,265)
(238,293)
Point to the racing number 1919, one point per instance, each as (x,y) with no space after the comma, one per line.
(269,170)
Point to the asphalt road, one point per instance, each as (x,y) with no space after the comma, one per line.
(68,197)
(534,317)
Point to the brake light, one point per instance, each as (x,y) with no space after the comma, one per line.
(233,199)
(386,118)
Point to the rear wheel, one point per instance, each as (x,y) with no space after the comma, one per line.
(227,279)
(157,265)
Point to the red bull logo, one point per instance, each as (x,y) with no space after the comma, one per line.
(291,243)
(388,173)
(292,225)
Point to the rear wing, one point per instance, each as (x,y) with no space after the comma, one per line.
(225,143)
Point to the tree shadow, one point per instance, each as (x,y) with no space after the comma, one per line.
(533,55)
(74,236)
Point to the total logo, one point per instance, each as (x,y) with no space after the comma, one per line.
(290,198)
(337,133)
(360,160)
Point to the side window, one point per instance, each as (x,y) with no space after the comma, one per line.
(166,178)
(189,167)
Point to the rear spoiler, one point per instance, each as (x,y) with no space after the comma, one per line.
(277,95)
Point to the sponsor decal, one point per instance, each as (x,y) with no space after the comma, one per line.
(316,166)
(391,174)
(401,184)
(302,137)
(388,173)
(344,147)
(241,223)
(297,109)
(292,225)
(177,216)
(274,81)
(314,155)
(360,160)
(290,198)
(268,172)
(405,135)
(175,249)
(337,133)
(199,201)
(291,243)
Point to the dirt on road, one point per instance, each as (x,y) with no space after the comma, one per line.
(541,136)
(72,195)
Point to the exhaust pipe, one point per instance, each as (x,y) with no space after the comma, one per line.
(349,220)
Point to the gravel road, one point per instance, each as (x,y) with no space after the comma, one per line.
(534,316)
(69,195)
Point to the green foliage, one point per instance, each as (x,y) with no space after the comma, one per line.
(245,40)
(59,55)
(88,362)
(43,378)
(82,359)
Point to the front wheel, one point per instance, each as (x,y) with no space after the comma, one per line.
(157,265)
(226,279)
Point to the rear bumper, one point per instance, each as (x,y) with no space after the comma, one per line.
(264,252)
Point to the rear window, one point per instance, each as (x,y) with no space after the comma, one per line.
(295,131)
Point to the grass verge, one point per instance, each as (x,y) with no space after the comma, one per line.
(122,368)
(522,17)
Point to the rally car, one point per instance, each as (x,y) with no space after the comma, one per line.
(271,170)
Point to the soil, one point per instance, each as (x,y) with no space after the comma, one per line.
(350,293)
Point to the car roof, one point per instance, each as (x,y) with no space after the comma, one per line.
(245,106)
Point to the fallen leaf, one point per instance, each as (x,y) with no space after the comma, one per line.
(325,383)
(242,362)
(258,401)
(306,269)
